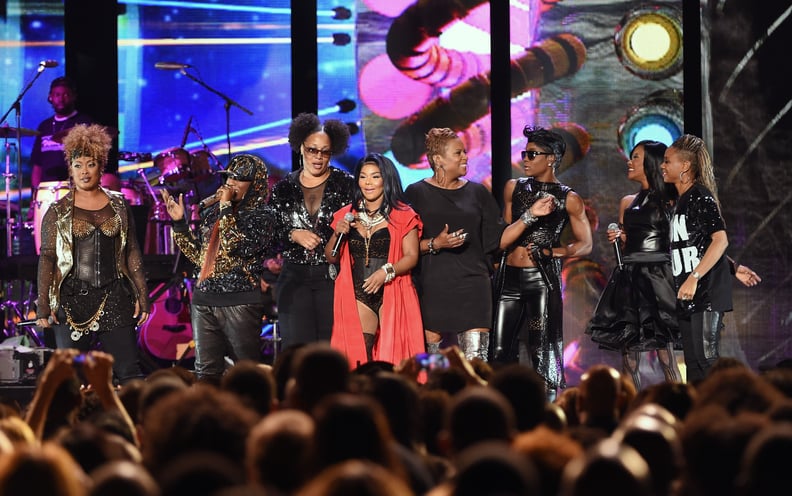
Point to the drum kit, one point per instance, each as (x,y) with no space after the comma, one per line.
(179,172)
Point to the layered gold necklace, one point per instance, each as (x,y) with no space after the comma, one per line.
(369,220)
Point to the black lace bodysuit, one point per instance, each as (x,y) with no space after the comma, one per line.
(94,284)
(379,244)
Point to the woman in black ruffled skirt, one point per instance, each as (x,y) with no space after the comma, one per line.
(637,310)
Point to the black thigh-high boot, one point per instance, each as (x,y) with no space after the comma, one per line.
(631,361)
(370,339)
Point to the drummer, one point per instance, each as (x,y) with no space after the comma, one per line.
(47,155)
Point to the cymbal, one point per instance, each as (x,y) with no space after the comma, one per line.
(61,135)
(11,132)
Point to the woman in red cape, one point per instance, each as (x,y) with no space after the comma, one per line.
(377,314)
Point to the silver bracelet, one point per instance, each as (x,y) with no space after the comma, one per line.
(390,272)
(528,218)
(291,239)
(431,247)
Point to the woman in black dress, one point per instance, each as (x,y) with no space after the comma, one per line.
(637,311)
(462,228)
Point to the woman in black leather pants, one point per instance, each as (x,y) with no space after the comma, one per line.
(528,313)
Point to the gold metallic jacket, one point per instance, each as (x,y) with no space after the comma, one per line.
(57,253)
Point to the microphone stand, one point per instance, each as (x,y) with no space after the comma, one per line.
(17,105)
(228,103)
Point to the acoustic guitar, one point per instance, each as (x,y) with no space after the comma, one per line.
(169,330)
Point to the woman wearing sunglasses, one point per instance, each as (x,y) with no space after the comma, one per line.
(528,313)
(303,203)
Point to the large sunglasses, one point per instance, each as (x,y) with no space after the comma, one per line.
(315,152)
(532,154)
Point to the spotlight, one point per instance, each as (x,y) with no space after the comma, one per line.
(346,105)
(657,117)
(342,13)
(341,39)
(648,41)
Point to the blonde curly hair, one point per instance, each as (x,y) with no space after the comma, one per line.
(87,141)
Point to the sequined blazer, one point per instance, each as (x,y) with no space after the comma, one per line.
(245,234)
(289,208)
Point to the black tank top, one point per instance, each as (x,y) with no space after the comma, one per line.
(546,231)
(647,225)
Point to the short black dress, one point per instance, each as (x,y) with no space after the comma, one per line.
(637,310)
(455,285)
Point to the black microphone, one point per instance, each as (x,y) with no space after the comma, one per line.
(169,66)
(615,227)
(349,217)
(49,63)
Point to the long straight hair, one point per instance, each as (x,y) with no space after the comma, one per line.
(393,194)
(654,153)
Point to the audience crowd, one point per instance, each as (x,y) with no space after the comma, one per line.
(310,425)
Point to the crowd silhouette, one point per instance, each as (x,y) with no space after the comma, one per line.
(311,425)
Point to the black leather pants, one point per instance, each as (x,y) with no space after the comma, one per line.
(519,314)
(232,331)
(700,342)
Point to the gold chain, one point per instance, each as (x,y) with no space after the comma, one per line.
(89,325)
(368,223)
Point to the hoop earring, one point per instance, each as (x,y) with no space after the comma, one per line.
(681,177)
(437,175)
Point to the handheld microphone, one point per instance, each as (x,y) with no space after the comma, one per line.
(615,227)
(349,217)
(26,323)
(209,200)
(170,66)
(49,63)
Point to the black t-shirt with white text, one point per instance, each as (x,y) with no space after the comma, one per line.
(696,217)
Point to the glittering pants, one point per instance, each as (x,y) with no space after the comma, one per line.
(528,325)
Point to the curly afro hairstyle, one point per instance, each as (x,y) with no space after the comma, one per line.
(306,124)
(87,141)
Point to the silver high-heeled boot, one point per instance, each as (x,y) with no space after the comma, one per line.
(474,344)
(432,348)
